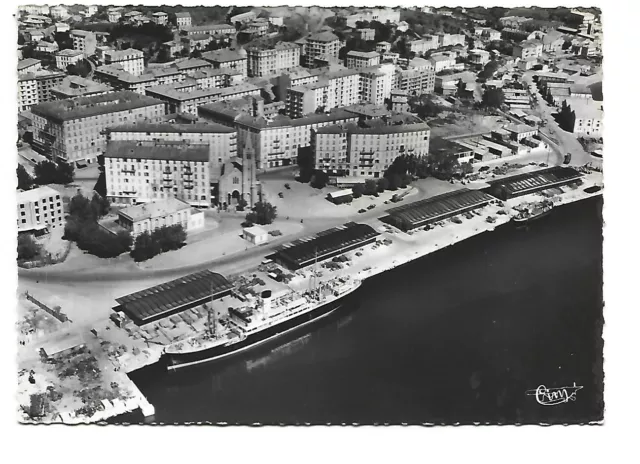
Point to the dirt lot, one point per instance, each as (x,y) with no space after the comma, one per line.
(454,123)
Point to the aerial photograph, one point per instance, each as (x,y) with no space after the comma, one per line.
(304,215)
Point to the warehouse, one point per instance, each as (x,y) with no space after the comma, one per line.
(325,245)
(531,182)
(172,297)
(423,212)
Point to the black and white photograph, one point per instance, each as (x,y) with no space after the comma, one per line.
(308,215)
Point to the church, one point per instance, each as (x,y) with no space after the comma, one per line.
(237,180)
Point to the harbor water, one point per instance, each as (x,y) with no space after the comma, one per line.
(458,336)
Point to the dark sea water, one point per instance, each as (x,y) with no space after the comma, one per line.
(457,336)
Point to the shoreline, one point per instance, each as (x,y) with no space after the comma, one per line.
(405,248)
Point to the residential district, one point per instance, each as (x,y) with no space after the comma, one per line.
(182,167)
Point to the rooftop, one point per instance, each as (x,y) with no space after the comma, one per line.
(36,194)
(69,52)
(325,36)
(22,64)
(176,151)
(169,297)
(223,55)
(522,184)
(183,14)
(120,54)
(154,209)
(174,128)
(77,86)
(586,108)
(519,128)
(192,63)
(83,107)
(357,54)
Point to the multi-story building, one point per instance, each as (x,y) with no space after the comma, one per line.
(244,17)
(352,150)
(39,209)
(516,22)
(195,42)
(479,57)
(588,117)
(264,60)
(140,172)
(59,12)
(68,57)
(133,16)
(383,47)
(47,47)
(35,9)
(442,61)
(192,65)
(62,27)
(359,60)
(334,89)
(90,10)
(446,40)
(32,35)
(306,99)
(131,60)
(76,86)
(222,141)
(151,216)
(188,97)
(528,49)
(227,58)
(216,78)
(74,129)
(321,44)
(416,78)
(366,34)
(382,15)
(160,17)
(211,29)
(27,92)
(29,65)
(423,45)
(376,83)
(114,15)
(183,19)
(84,41)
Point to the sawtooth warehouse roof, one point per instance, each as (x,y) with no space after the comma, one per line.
(326,244)
(171,297)
(523,184)
(420,213)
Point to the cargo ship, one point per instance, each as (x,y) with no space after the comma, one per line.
(259,321)
(532,212)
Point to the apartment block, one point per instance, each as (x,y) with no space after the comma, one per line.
(35,87)
(141,172)
(227,58)
(423,45)
(183,20)
(382,15)
(114,15)
(39,209)
(383,47)
(366,34)
(334,89)
(211,29)
(265,60)
(160,18)
(446,40)
(352,150)
(131,60)
(321,44)
(68,57)
(589,117)
(75,129)
(359,60)
(76,86)
(528,49)
(84,41)
(376,84)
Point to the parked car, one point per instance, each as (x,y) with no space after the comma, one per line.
(362,211)
(281,195)
(287,186)
(371,206)
(483,169)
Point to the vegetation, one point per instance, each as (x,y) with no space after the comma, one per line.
(493,98)
(101,183)
(489,70)
(424,106)
(319,179)
(370,187)
(566,117)
(82,227)
(25,181)
(166,238)
(305,163)
(82,68)
(242,204)
(27,247)
(48,172)
(358,190)
(262,213)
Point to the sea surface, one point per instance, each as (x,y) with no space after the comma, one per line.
(458,336)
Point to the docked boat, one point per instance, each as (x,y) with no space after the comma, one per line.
(532,212)
(260,321)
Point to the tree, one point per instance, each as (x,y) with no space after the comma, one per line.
(466,168)
(265,213)
(99,205)
(80,207)
(64,173)
(443,165)
(394,180)
(566,44)
(45,172)
(566,117)
(305,163)
(489,70)
(319,179)
(25,181)
(370,187)
(163,55)
(145,247)
(101,185)
(27,247)
(358,190)
(383,184)
(82,68)
(242,204)
(169,237)
(493,98)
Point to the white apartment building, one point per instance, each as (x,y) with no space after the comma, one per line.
(479,57)
(445,40)
(27,92)
(183,19)
(383,47)
(528,49)
(589,117)
(141,172)
(268,61)
(321,44)
(59,12)
(29,65)
(367,152)
(74,129)
(421,46)
(67,57)
(442,61)
(114,15)
(131,60)
(359,60)
(376,84)
(382,15)
(160,18)
(227,58)
(84,41)
(334,89)
(39,209)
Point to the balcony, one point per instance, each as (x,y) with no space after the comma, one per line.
(128,171)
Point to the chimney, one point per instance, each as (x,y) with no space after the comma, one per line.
(258,107)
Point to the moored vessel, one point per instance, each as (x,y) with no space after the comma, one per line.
(528,213)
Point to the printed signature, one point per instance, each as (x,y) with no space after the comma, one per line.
(552,396)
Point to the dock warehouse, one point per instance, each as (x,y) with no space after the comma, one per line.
(325,245)
(172,297)
(531,182)
(429,210)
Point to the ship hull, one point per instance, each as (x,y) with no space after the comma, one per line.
(532,217)
(176,361)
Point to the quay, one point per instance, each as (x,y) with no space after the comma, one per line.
(79,375)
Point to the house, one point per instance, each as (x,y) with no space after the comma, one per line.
(156,214)
(528,49)
(255,234)
(39,209)
(160,17)
(589,116)
(479,57)
(183,19)
(552,41)
(67,57)
(442,61)
(382,47)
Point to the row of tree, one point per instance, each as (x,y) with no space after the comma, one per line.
(46,172)
(28,248)
(262,213)
(166,238)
